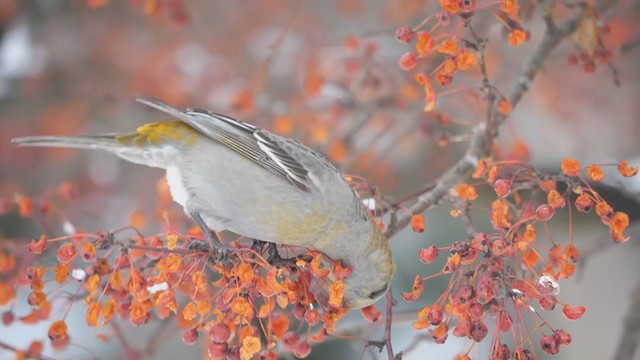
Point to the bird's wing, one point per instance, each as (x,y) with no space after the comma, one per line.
(282,157)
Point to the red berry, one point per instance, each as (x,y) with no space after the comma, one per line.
(486,291)
(302,350)
(462,329)
(501,352)
(564,338)
(428,255)
(217,350)
(312,317)
(290,340)
(589,67)
(550,344)
(572,59)
(219,333)
(584,203)
(544,212)
(190,336)
(435,317)
(407,61)
(371,314)
(7,318)
(404,34)
(465,293)
(233,353)
(475,310)
(573,313)
(443,18)
(299,311)
(505,322)
(548,303)
(502,187)
(478,331)
(268,355)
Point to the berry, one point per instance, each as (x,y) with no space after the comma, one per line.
(190,336)
(219,333)
(302,350)
(405,35)
(407,61)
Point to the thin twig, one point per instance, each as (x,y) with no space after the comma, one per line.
(464,210)
(387,325)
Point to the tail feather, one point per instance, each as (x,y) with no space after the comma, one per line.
(107,142)
(101,142)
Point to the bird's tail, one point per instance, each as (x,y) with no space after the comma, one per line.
(108,142)
(101,142)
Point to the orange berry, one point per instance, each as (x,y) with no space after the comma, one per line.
(555,199)
(424,43)
(416,291)
(371,314)
(449,47)
(417,223)
(626,170)
(504,107)
(595,173)
(509,6)
(466,59)
(66,252)
(573,313)
(571,167)
(517,37)
(452,6)
(38,247)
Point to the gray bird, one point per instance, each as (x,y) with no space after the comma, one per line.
(230,175)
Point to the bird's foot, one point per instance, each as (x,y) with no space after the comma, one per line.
(222,255)
(273,256)
(208,233)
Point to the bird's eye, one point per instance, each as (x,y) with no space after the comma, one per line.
(376,294)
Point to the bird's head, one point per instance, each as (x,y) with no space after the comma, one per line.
(372,270)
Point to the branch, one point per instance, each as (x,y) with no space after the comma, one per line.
(386,338)
(387,326)
(479,147)
(483,134)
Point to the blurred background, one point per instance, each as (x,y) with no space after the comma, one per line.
(325,73)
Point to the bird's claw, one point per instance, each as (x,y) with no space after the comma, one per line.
(273,256)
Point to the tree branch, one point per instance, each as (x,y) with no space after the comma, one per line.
(483,134)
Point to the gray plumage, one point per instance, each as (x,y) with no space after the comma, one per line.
(257,184)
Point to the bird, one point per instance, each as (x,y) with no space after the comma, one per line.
(230,175)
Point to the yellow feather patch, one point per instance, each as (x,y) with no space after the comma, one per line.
(315,227)
(159,133)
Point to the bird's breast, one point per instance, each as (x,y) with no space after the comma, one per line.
(177,188)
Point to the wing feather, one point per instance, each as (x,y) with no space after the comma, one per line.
(256,145)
